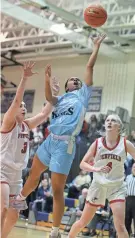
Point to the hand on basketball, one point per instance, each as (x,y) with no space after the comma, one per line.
(55,86)
(48,70)
(104,169)
(27,69)
(98,40)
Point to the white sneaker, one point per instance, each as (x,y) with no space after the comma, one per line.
(55,236)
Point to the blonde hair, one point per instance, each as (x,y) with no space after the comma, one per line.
(119,121)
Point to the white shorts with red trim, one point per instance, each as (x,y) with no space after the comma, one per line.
(98,193)
(12,177)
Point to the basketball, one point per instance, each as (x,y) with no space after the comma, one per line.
(95,15)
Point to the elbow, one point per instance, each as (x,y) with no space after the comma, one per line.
(81,166)
(91,83)
(49,99)
(90,66)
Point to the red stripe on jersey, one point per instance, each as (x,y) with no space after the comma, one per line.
(4,132)
(94,205)
(105,145)
(23,127)
(96,147)
(117,200)
(125,144)
(4,182)
(26,124)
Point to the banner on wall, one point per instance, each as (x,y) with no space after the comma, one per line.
(8,97)
(95,100)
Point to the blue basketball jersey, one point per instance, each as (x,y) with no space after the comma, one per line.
(70,111)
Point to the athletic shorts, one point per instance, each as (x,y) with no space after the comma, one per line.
(98,193)
(53,154)
(11,177)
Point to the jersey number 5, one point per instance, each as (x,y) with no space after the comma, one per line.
(23,151)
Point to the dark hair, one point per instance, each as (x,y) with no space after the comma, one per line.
(66,90)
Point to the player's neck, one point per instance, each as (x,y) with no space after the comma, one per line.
(19,121)
(111,137)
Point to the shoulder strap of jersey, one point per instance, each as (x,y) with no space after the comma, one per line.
(125,145)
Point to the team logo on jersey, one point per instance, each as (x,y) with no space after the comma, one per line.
(94,199)
(69,111)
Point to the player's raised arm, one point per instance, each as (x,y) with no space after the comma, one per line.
(91,62)
(48,92)
(130,149)
(43,115)
(9,117)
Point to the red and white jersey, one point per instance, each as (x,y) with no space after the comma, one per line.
(112,157)
(14,147)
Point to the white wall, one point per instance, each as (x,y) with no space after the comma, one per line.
(131,80)
(116,78)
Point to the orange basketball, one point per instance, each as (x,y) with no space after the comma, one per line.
(95,15)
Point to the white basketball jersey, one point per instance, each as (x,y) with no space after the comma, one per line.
(14,147)
(114,158)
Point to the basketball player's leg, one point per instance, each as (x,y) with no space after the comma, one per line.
(116,197)
(12,216)
(95,198)
(12,213)
(34,176)
(5,190)
(60,165)
(87,215)
(40,163)
(58,184)
(118,210)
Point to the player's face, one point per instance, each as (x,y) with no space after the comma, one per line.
(22,111)
(112,124)
(74,84)
(44,183)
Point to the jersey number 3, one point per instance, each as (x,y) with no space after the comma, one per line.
(23,151)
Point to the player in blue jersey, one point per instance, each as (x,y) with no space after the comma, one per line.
(58,150)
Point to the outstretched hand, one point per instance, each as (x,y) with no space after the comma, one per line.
(48,70)
(98,40)
(55,86)
(27,69)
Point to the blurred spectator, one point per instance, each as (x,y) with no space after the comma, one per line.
(133,137)
(100,121)
(45,175)
(93,122)
(128,165)
(76,213)
(38,135)
(84,130)
(83,180)
(31,135)
(44,201)
(45,130)
(44,189)
(130,201)
(93,133)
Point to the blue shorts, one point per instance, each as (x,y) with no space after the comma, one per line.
(53,154)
